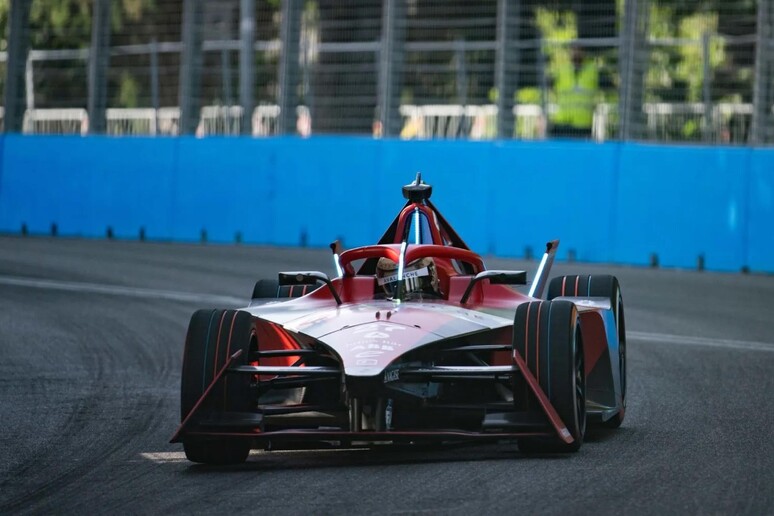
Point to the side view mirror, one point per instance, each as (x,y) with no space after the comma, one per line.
(496,278)
(298,278)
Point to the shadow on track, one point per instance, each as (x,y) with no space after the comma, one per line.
(372,457)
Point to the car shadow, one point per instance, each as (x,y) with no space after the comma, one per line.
(392,455)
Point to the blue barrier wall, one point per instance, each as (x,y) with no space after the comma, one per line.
(607,202)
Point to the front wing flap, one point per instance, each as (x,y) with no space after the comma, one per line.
(496,425)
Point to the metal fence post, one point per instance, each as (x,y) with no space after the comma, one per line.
(29,81)
(625,64)
(461,75)
(768,76)
(154,83)
(390,57)
(461,84)
(191,65)
(762,89)
(290,32)
(225,76)
(99,60)
(706,87)
(632,65)
(18,48)
(507,64)
(246,63)
(543,83)
(306,75)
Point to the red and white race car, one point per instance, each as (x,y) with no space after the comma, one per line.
(413,341)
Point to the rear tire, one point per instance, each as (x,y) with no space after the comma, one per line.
(271,289)
(547,335)
(213,336)
(601,285)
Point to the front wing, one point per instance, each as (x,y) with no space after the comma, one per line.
(299,424)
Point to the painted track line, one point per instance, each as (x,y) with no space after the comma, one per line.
(119,290)
(743,345)
(230,301)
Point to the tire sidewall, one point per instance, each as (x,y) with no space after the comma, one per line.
(213,336)
(547,336)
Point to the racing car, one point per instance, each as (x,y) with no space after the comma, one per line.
(413,341)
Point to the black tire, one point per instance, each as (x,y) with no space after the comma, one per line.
(547,335)
(213,336)
(600,285)
(217,452)
(271,289)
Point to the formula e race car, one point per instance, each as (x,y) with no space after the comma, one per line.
(414,341)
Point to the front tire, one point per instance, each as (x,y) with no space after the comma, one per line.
(216,452)
(213,336)
(547,335)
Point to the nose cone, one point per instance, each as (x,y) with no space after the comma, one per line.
(367,349)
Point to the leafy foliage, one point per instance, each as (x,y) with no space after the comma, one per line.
(66,24)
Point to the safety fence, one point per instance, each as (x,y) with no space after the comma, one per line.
(678,206)
(214,120)
(726,123)
(657,70)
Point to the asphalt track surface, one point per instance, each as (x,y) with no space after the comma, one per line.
(91,335)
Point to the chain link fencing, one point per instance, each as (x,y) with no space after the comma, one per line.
(697,71)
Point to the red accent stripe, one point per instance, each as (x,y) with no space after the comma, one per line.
(217,343)
(228,353)
(537,345)
(526,335)
(288,342)
(577,279)
(196,406)
(526,349)
(550,411)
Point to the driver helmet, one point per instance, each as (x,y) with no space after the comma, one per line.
(419,276)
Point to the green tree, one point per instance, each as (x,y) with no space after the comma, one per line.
(66,24)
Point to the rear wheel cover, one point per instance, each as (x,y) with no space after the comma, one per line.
(600,285)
